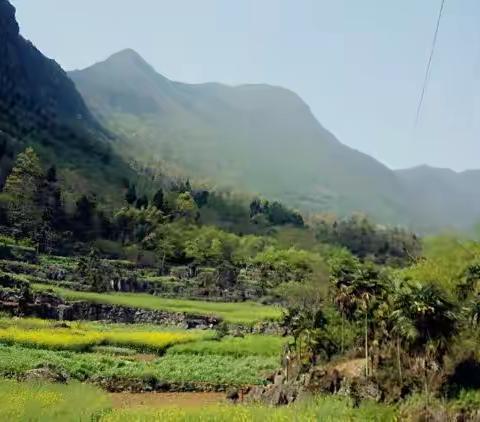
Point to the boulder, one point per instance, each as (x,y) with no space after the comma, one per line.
(46,374)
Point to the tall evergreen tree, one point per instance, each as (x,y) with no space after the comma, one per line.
(23,190)
(142,202)
(131,195)
(159,200)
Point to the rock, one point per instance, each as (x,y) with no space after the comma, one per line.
(255,394)
(275,395)
(279,378)
(233,395)
(363,389)
(46,374)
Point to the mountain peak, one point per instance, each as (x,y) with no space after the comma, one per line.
(127,54)
(129,58)
(8,23)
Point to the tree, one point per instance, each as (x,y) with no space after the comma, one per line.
(211,246)
(429,322)
(255,207)
(52,174)
(305,319)
(344,270)
(469,283)
(186,207)
(201,197)
(131,195)
(84,217)
(54,218)
(97,274)
(133,224)
(159,200)
(23,189)
(357,288)
(142,202)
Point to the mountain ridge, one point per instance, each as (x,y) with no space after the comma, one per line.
(223,119)
(263,139)
(41,107)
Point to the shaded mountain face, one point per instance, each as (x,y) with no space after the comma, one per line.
(30,80)
(262,139)
(40,106)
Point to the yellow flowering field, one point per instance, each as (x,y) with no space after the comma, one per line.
(82,337)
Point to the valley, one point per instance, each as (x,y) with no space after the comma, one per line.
(184,252)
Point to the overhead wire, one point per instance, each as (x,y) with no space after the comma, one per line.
(429,63)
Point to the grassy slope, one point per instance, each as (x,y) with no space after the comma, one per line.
(242,313)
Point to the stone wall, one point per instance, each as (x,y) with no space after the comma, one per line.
(49,306)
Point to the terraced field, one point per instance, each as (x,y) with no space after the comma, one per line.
(241,313)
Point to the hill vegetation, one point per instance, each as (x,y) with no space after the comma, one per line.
(40,106)
(177,286)
(246,137)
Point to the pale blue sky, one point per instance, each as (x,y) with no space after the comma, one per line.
(359,64)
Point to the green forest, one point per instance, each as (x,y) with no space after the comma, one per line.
(346,303)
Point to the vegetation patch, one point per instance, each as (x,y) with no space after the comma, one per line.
(250,345)
(51,402)
(241,313)
(198,372)
(317,409)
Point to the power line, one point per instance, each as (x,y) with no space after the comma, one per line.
(429,64)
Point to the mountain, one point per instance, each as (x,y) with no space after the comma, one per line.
(442,197)
(264,139)
(257,138)
(40,106)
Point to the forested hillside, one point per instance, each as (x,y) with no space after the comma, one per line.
(263,139)
(242,137)
(40,106)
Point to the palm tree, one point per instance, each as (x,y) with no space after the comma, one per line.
(426,320)
(401,326)
(366,292)
(469,282)
(472,313)
(343,274)
(356,288)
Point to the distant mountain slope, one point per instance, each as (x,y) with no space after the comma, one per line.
(262,139)
(441,197)
(258,138)
(40,106)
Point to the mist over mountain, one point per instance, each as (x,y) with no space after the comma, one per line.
(264,139)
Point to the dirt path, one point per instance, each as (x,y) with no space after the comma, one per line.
(152,400)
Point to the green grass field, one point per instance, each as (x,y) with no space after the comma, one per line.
(212,370)
(240,313)
(250,345)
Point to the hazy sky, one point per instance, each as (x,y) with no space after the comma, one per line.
(359,64)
